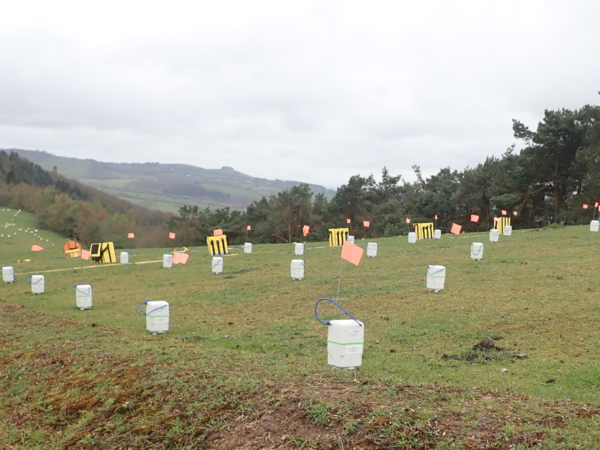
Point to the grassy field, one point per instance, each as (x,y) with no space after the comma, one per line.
(245,345)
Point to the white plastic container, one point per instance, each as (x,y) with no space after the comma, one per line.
(248,247)
(299,249)
(507,230)
(436,277)
(476,251)
(345,342)
(37,284)
(594,225)
(437,234)
(350,239)
(8,274)
(83,295)
(217,265)
(372,249)
(124,258)
(297,269)
(167,261)
(412,237)
(494,235)
(157,316)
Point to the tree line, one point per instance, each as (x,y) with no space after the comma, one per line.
(547,181)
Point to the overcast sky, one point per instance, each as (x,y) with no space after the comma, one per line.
(313,91)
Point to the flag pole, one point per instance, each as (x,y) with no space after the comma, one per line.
(337,296)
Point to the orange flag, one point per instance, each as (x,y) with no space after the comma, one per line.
(596,205)
(407,220)
(455,228)
(171,235)
(347,220)
(180,258)
(218,232)
(305,230)
(503,212)
(130,235)
(515,213)
(85,254)
(36,248)
(352,253)
(474,218)
(585,206)
(366,224)
(249,228)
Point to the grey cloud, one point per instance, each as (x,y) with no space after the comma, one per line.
(315,91)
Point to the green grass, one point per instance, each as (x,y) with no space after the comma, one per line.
(533,293)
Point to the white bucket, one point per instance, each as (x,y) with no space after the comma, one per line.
(297,269)
(476,251)
(167,261)
(124,258)
(8,274)
(412,237)
(247,247)
(217,265)
(350,239)
(508,230)
(436,277)
(372,249)
(494,235)
(437,234)
(345,342)
(37,284)
(299,249)
(594,225)
(83,295)
(157,316)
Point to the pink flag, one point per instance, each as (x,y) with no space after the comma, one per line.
(585,206)
(515,213)
(407,220)
(474,218)
(218,232)
(436,217)
(305,230)
(171,235)
(496,219)
(249,228)
(596,205)
(36,248)
(85,254)
(366,224)
(347,220)
(180,258)
(455,228)
(352,253)
(130,235)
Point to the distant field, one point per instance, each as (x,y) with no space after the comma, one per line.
(534,293)
(154,201)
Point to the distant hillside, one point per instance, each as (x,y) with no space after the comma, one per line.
(166,186)
(73,210)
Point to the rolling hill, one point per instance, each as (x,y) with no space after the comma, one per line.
(166,186)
